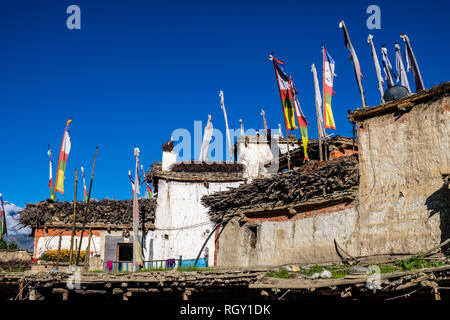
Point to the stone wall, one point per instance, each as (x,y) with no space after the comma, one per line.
(12,259)
(305,238)
(402,206)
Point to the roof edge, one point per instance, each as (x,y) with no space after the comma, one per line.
(401,104)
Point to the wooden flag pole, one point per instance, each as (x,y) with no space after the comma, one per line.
(222,105)
(377,67)
(88,251)
(59,249)
(313,70)
(288,154)
(325,142)
(86,209)
(353,54)
(73,219)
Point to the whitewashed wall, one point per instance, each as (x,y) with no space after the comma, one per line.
(47,243)
(255,155)
(181,216)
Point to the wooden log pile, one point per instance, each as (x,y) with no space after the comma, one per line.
(335,179)
(108,212)
(207,167)
(195,171)
(417,284)
(297,156)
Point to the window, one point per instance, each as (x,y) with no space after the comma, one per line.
(253,231)
(124,252)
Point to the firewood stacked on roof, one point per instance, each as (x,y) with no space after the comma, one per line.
(196,171)
(207,167)
(297,157)
(108,212)
(337,178)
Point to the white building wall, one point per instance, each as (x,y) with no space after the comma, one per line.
(185,221)
(255,155)
(47,243)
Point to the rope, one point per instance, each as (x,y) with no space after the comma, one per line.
(186,227)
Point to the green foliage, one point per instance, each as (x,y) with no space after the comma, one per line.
(417,262)
(284,274)
(5,245)
(388,268)
(336,271)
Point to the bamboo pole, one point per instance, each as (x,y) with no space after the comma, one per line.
(86,208)
(73,219)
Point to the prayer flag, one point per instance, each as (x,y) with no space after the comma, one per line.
(412,65)
(137,257)
(131,180)
(62,162)
(301,119)
(401,72)
(84,186)
(354,58)
(328,75)
(50,179)
(320,124)
(377,67)
(388,70)
(2,217)
(206,140)
(149,190)
(286,94)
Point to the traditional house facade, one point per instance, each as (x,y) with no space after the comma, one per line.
(108,232)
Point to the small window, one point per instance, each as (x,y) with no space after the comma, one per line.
(124,252)
(253,231)
(166,236)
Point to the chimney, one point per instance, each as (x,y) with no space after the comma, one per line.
(168,159)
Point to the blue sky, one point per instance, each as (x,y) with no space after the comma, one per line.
(137,70)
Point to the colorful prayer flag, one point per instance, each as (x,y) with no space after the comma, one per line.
(328,75)
(301,119)
(149,190)
(62,161)
(2,218)
(286,94)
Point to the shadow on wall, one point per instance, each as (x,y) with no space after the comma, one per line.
(439,202)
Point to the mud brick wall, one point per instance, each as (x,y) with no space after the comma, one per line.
(403,206)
